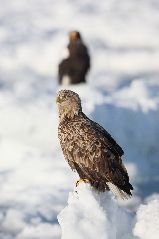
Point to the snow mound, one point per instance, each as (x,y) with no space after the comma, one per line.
(91,215)
(147,226)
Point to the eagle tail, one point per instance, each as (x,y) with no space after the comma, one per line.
(118,193)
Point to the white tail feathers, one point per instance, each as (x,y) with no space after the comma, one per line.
(118,193)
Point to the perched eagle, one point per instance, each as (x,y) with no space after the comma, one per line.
(73,69)
(89,149)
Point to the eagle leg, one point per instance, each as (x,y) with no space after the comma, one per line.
(81,180)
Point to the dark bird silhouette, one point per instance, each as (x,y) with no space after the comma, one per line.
(74,68)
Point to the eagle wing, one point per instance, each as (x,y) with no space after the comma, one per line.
(102,163)
(113,144)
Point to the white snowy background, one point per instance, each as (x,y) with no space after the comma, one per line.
(122,94)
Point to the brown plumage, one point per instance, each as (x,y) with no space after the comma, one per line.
(76,66)
(89,149)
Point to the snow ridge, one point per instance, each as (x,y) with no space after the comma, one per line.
(94,215)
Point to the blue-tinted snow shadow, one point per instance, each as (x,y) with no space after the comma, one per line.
(138,134)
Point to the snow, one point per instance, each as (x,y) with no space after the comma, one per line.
(147,225)
(98,215)
(92,215)
(122,94)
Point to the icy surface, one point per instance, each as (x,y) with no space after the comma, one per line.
(91,215)
(147,225)
(122,94)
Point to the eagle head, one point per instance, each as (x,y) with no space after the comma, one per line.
(74,36)
(69,104)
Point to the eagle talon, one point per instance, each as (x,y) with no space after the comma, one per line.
(81,181)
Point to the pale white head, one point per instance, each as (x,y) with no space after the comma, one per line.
(69,104)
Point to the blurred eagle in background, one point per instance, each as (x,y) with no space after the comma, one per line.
(73,69)
(89,149)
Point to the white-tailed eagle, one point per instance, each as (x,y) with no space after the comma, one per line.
(89,149)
